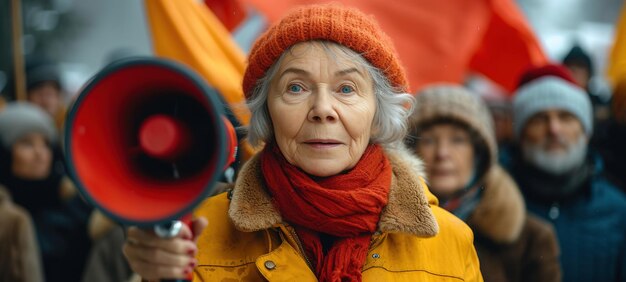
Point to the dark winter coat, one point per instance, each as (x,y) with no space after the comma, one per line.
(19,254)
(511,244)
(590,225)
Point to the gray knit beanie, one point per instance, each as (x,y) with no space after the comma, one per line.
(551,93)
(457,103)
(20,118)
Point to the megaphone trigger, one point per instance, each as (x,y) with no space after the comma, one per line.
(168,229)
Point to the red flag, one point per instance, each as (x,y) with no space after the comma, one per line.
(441,41)
(508,48)
(230,12)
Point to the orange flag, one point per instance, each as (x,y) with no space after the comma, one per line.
(617,62)
(188,32)
(443,40)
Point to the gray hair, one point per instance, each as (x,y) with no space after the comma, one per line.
(393,105)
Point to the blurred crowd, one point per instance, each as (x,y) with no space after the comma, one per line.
(540,178)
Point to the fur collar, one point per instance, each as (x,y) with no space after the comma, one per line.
(408,210)
(501,212)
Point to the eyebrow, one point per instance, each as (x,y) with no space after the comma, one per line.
(296,71)
(348,71)
(303,72)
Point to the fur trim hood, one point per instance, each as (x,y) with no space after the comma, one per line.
(501,212)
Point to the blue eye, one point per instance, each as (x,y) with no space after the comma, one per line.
(295,88)
(346,89)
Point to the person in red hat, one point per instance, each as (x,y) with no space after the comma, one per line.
(563,181)
(333,195)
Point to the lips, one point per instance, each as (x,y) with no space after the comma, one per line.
(442,172)
(323,143)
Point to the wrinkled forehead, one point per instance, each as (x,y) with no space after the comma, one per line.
(338,55)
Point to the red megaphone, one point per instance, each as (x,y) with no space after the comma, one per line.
(147,140)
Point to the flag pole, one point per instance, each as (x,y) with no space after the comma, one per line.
(18,54)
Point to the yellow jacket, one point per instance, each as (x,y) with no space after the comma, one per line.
(246,239)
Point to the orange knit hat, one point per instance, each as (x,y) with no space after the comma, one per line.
(332,22)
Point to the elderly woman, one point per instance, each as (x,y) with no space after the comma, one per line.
(328,198)
(452,131)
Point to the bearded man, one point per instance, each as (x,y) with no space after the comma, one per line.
(562,180)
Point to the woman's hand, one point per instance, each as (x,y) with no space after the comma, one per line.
(153,257)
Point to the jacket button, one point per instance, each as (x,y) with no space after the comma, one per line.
(554,212)
(270,265)
(376,256)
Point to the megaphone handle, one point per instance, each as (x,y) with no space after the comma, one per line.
(170,230)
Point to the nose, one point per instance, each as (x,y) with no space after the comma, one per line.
(442,149)
(554,126)
(41,152)
(322,108)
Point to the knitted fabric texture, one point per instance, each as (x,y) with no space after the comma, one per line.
(578,57)
(551,93)
(330,22)
(457,103)
(546,70)
(346,207)
(44,73)
(20,118)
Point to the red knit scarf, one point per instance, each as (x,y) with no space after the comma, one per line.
(345,207)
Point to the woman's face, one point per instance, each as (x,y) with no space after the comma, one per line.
(32,157)
(322,107)
(448,153)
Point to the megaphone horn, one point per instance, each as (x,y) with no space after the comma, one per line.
(147,140)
